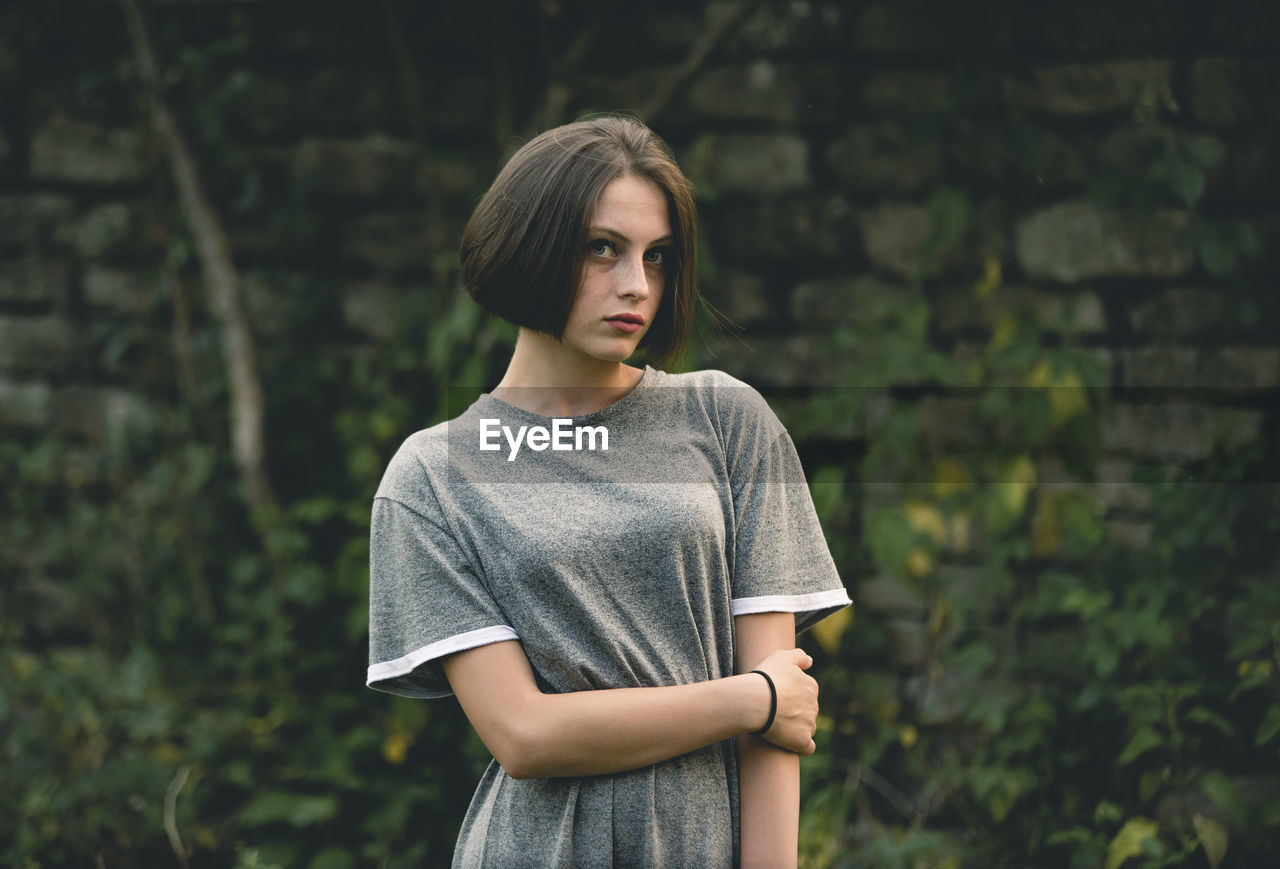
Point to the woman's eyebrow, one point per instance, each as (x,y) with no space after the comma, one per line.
(603,230)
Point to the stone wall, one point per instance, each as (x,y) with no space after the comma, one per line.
(344,156)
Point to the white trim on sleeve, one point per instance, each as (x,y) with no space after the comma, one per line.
(405,664)
(790,603)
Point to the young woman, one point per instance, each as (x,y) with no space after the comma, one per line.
(606,564)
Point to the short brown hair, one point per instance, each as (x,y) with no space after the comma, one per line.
(524,247)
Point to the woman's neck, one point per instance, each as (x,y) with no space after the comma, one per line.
(550,379)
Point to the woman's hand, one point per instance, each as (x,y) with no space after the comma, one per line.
(797,717)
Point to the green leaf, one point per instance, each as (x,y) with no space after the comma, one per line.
(1187,182)
(827,491)
(1270,725)
(1128,842)
(1213,838)
(1150,782)
(1205,151)
(1205,715)
(1140,743)
(332,858)
(1107,813)
(1224,794)
(299,810)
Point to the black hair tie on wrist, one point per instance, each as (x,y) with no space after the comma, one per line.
(773,704)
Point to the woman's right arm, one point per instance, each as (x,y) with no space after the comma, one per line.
(536,735)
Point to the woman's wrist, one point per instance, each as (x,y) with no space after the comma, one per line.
(756,702)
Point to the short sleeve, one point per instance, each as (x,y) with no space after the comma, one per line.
(781,559)
(425,602)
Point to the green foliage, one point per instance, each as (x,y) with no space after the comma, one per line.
(1081,702)
(170,665)
(156,634)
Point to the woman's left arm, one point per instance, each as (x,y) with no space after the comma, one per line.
(769,776)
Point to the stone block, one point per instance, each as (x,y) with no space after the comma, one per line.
(784,231)
(395,240)
(34,281)
(756,163)
(943,696)
(338,96)
(266,297)
(993,153)
(768,91)
(1267,261)
(819,305)
(1253,171)
(1228,91)
(950,421)
(1174,432)
(103,229)
(766,362)
(888,594)
(913,27)
(99,414)
(34,220)
(1076,240)
(1084,89)
(741,296)
(1159,367)
(66,150)
(24,405)
(363,168)
(1140,145)
(895,237)
(969,589)
(909,643)
(1240,368)
(371,309)
(769,28)
(960,311)
(668,32)
(880,158)
(42,344)
(1101,29)
(1115,490)
(1129,533)
(1249,25)
(938,696)
(451,176)
(270,107)
(904,93)
(1223,368)
(874,691)
(894,234)
(112,289)
(1182,312)
(462,101)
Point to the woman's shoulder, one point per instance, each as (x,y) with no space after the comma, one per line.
(733,402)
(705,378)
(420,457)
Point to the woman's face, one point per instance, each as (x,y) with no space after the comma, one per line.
(624,271)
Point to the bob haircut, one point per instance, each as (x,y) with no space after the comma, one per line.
(524,247)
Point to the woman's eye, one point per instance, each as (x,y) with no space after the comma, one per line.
(601,247)
(657,256)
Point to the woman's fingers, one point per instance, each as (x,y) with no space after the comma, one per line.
(797,715)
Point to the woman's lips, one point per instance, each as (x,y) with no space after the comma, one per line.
(625,323)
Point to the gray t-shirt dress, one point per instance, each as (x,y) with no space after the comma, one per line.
(613,568)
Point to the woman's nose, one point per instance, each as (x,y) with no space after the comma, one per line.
(634,280)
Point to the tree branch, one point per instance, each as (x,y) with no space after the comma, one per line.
(223,284)
(679,77)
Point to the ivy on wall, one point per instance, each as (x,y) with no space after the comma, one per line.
(180,682)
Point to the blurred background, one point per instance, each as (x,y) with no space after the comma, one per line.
(1007,271)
